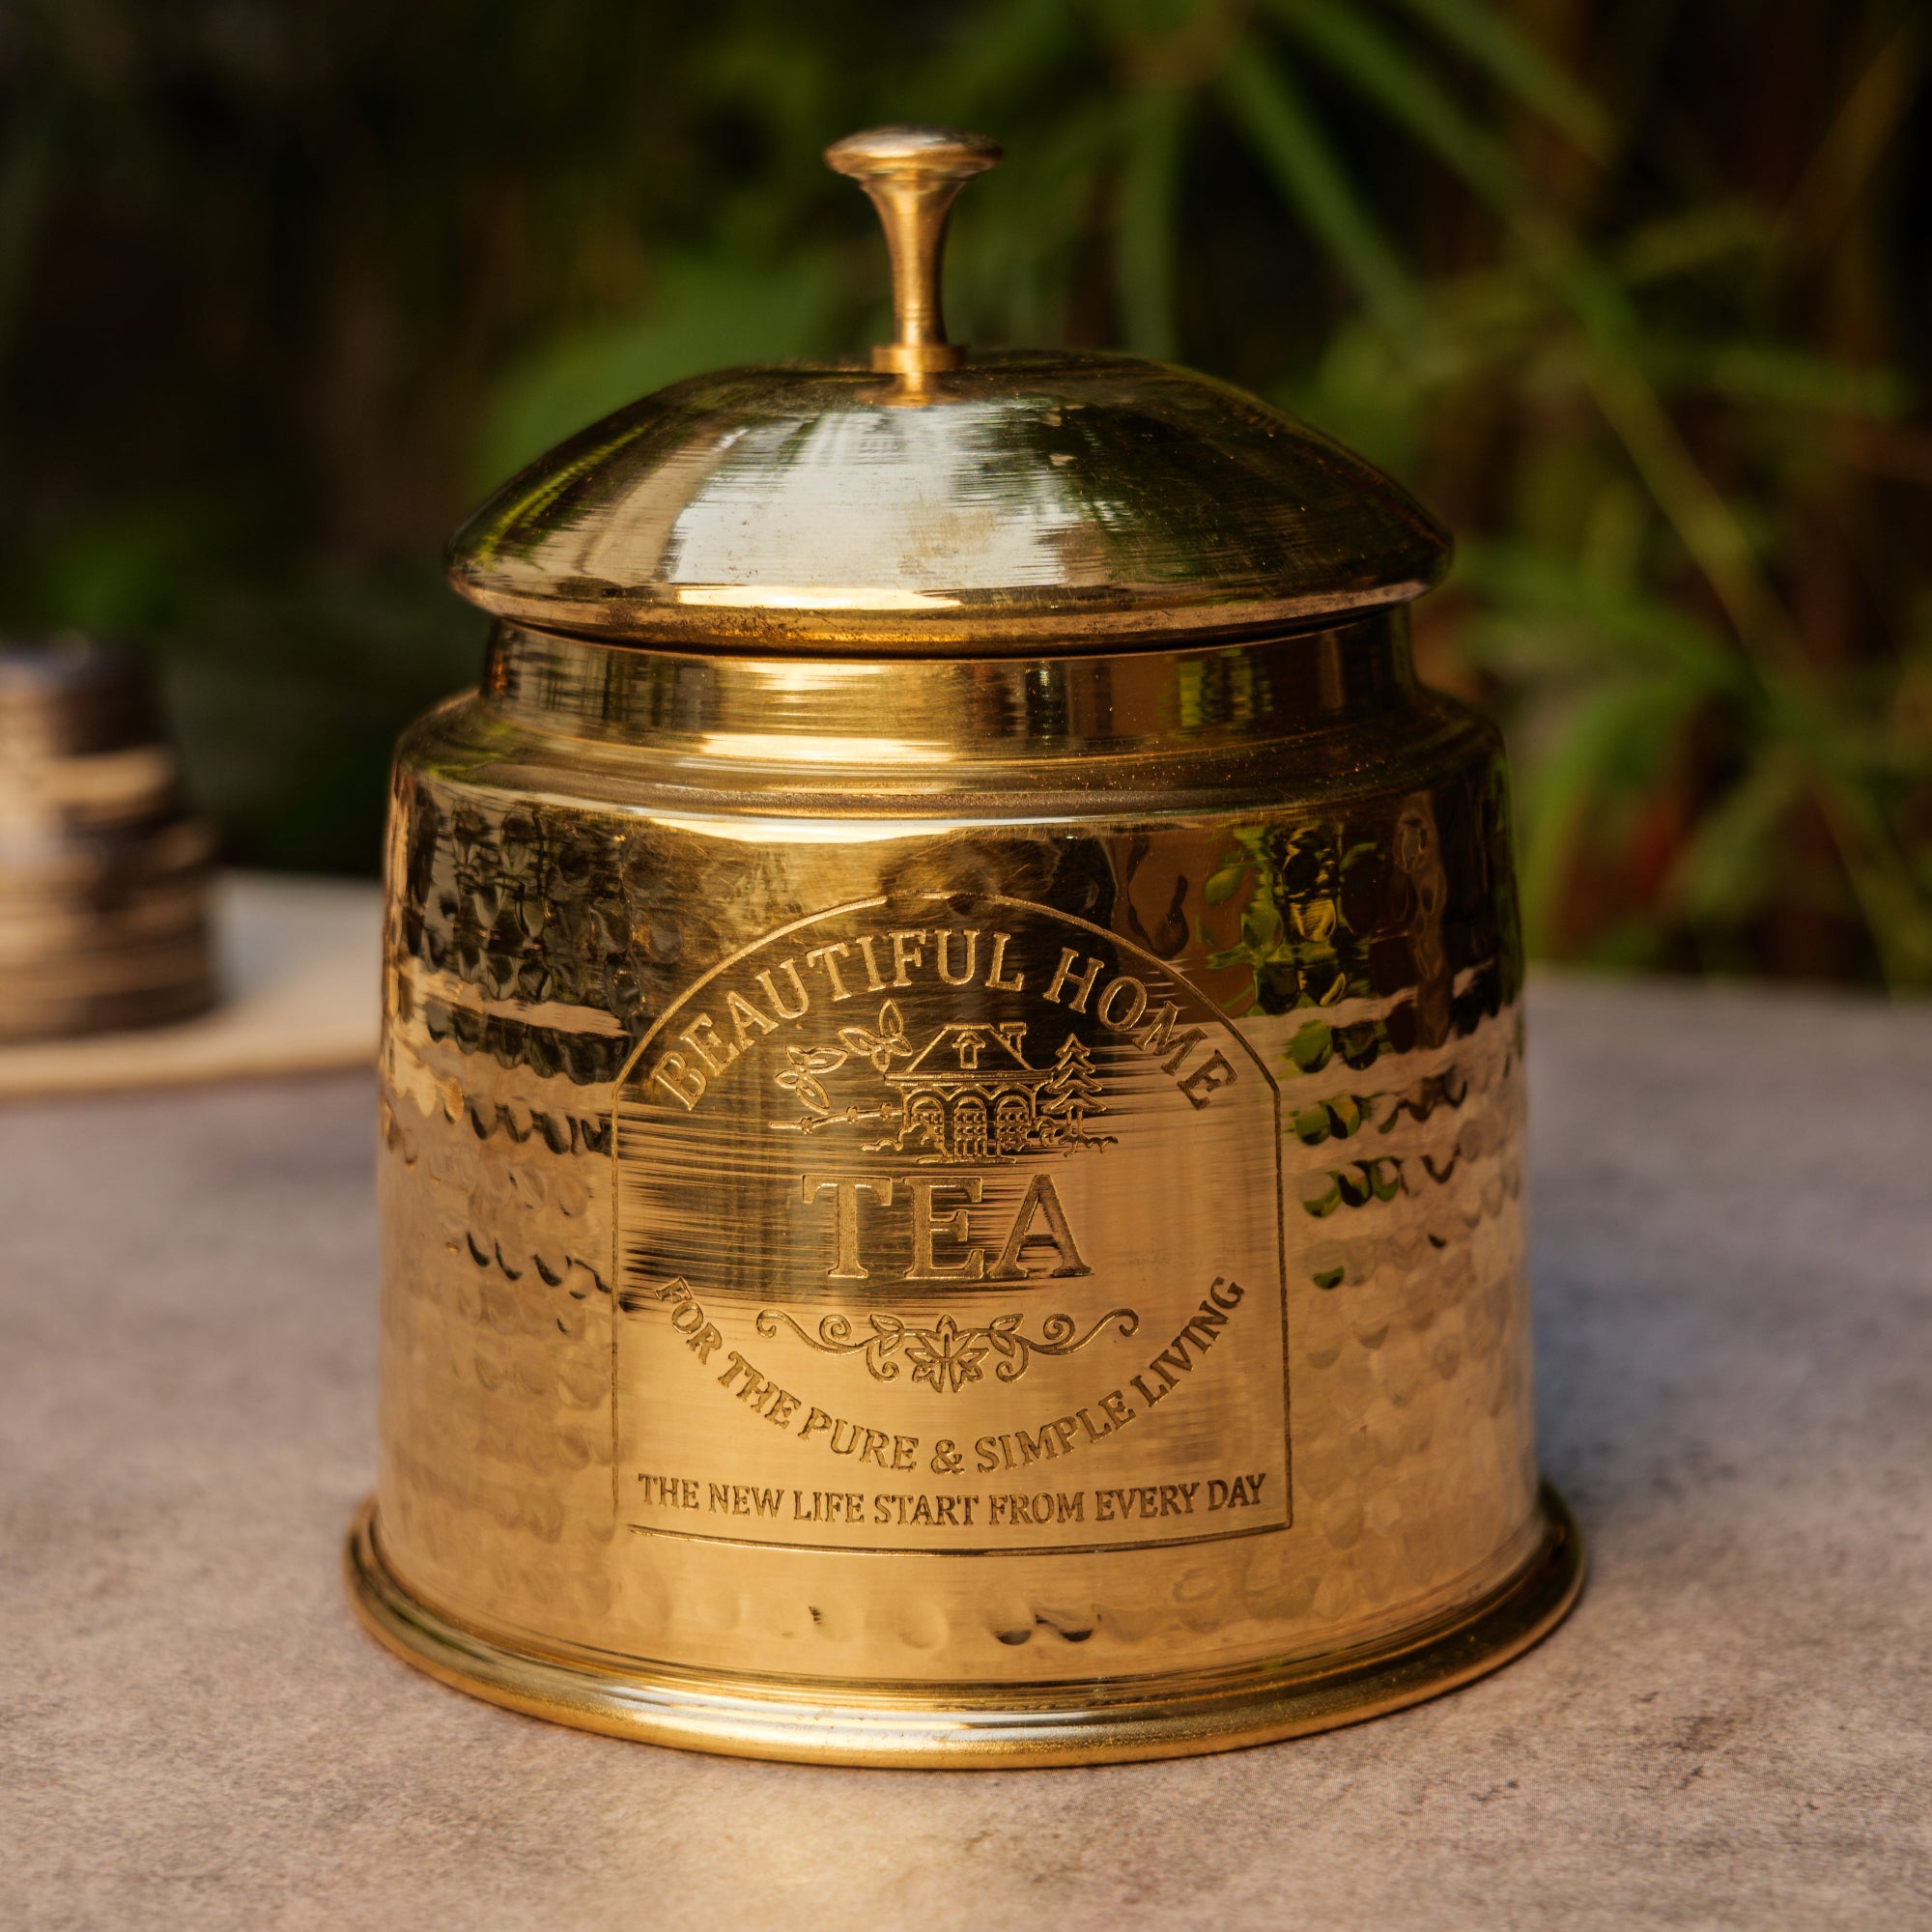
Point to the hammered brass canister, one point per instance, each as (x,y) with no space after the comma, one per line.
(952,1094)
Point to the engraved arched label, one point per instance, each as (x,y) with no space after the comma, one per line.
(948,1231)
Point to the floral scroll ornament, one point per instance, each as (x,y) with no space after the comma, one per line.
(943,1355)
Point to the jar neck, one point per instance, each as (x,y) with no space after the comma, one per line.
(906,710)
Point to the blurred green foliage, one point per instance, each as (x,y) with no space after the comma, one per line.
(1634,291)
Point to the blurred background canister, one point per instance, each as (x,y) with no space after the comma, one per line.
(104,873)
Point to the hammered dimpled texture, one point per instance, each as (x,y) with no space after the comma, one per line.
(495,1318)
(1410,1351)
(1368,962)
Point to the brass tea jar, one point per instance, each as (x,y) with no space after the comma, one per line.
(952,1101)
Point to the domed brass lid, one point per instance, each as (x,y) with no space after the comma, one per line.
(936,502)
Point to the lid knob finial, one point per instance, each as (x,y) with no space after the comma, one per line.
(912,175)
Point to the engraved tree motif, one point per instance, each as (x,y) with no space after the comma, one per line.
(1071,1092)
(943,1355)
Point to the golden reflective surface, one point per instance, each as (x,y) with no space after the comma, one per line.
(989,1157)
(952,1158)
(1003,506)
(1018,503)
(941,1188)
(966,1729)
(912,175)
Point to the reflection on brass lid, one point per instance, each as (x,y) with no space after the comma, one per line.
(983,505)
(1031,499)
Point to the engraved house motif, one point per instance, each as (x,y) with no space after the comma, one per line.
(969,1094)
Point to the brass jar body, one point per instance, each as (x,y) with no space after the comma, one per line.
(950,1211)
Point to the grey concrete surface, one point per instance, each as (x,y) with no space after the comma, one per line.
(1733,1238)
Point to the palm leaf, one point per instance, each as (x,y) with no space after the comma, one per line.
(1616,728)
(1287,140)
(1727,871)
(1493,42)
(1145,237)
(1349,39)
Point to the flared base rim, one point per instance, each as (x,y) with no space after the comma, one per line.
(909,1727)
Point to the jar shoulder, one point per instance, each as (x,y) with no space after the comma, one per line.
(470,745)
(546,873)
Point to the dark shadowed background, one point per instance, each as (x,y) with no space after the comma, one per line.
(1636,293)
